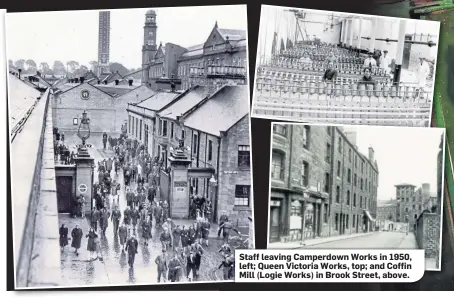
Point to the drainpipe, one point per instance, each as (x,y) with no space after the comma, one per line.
(289,201)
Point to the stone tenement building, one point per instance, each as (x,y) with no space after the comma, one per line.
(387,210)
(411,202)
(318,183)
(215,132)
(220,60)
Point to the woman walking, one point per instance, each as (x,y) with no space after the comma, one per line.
(146,230)
(63,236)
(123,234)
(76,235)
(92,244)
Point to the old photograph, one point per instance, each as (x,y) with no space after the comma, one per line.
(356,187)
(130,145)
(337,68)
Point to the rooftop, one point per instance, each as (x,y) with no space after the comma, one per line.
(21,98)
(404,184)
(137,95)
(158,101)
(219,113)
(232,34)
(185,103)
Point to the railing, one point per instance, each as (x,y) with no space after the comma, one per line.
(289,66)
(281,89)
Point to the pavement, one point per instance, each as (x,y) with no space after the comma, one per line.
(113,269)
(315,241)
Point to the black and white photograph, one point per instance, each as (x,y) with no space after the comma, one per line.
(336,68)
(130,145)
(353,187)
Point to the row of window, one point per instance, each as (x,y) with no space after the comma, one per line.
(185,69)
(363,201)
(363,184)
(356,222)
(282,131)
(156,71)
(135,129)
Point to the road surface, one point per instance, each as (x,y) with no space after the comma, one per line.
(381,240)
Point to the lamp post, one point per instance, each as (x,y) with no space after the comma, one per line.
(213,184)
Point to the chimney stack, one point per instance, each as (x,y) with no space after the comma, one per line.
(117,82)
(130,82)
(99,82)
(105,82)
(371,155)
(82,79)
(76,80)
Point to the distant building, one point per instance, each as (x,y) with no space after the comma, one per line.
(220,60)
(387,210)
(411,202)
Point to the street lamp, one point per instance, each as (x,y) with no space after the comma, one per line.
(84,131)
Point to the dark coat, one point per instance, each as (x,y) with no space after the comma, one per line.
(135,215)
(176,236)
(123,234)
(63,236)
(131,246)
(76,235)
(92,244)
(95,216)
(127,216)
(184,238)
(146,229)
(162,263)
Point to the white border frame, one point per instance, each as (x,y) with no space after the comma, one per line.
(365,126)
(250,146)
(283,118)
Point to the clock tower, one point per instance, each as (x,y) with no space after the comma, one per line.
(149,48)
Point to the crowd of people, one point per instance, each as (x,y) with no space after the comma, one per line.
(183,247)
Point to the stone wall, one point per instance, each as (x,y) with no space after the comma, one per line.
(231,175)
(428,234)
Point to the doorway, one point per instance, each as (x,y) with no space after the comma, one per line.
(64,193)
(274,224)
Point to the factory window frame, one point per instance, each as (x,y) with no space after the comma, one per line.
(336,221)
(305,174)
(140,130)
(306,136)
(327,153)
(339,145)
(210,150)
(195,138)
(277,165)
(242,195)
(354,200)
(349,176)
(171,130)
(361,184)
(339,166)
(350,154)
(244,156)
(355,180)
(327,183)
(337,194)
(164,128)
(137,126)
(280,130)
(348,197)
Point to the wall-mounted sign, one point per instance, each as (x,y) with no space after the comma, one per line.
(275,203)
(180,189)
(85,94)
(180,184)
(82,188)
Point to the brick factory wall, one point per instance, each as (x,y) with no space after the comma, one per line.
(231,175)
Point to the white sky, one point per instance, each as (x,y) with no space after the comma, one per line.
(73,35)
(404,155)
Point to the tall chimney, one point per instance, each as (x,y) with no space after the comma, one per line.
(371,154)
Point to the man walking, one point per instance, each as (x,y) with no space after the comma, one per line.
(131,248)
(161,261)
(104,220)
(174,267)
(116,216)
(224,218)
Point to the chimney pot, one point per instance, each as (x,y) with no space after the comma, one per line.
(105,82)
(130,82)
(76,80)
(82,79)
(99,82)
(117,82)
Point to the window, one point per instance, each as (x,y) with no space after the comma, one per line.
(277,165)
(361,185)
(75,121)
(140,130)
(339,145)
(354,200)
(171,130)
(349,176)
(137,126)
(416,216)
(355,182)
(350,154)
(327,182)
(305,174)
(325,213)
(129,124)
(164,128)
(360,202)
(348,198)
(306,134)
(210,150)
(182,135)
(280,130)
(242,195)
(328,130)
(365,185)
(406,209)
(354,221)
(336,221)
(244,156)
(328,151)
(195,138)
(362,167)
(339,165)
(337,194)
